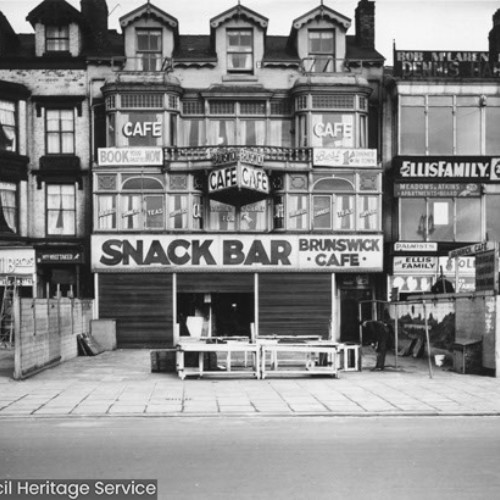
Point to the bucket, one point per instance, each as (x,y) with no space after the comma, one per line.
(439,359)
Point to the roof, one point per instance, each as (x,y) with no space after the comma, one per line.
(355,51)
(55,12)
(194,48)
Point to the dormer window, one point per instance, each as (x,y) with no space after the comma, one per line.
(321,51)
(149,49)
(239,50)
(57,39)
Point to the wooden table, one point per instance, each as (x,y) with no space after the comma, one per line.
(227,348)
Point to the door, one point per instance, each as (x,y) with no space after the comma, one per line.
(349,312)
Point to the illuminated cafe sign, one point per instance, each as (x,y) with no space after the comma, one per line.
(251,253)
(238,184)
(417,64)
(229,155)
(335,157)
(108,157)
(453,168)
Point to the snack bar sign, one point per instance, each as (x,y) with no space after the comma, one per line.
(345,253)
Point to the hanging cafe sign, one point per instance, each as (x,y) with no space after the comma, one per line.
(415,64)
(242,181)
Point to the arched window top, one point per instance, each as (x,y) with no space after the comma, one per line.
(333,184)
(142,183)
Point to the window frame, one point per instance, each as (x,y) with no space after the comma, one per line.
(61,210)
(57,35)
(14,128)
(149,55)
(60,132)
(240,50)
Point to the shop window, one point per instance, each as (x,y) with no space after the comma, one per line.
(60,131)
(253,217)
(149,49)
(8,205)
(8,128)
(239,50)
(106,211)
(322,211)
(321,51)
(441,219)
(297,212)
(222,217)
(61,209)
(368,213)
(57,39)
(178,213)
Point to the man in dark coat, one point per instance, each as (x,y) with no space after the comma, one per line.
(380,333)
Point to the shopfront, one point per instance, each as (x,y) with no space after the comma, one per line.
(282,284)
(444,203)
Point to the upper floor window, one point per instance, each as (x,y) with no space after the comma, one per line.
(8,134)
(8,207)
(149,49)
(449,124)
(60,131)
(57,38)
(240,50)
(321,51)
(61,209)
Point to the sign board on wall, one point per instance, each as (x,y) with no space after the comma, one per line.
(323,157)
(108,157)
(487,270)
(415,64)
(14,261)
(415,246)
(442,168)
(436,190)
(254,253)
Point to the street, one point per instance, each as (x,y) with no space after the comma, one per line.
(289,457)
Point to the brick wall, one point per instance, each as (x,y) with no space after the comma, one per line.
(46,331)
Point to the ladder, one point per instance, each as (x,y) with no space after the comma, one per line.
(7,313)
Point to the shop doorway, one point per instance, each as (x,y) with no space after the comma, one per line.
(215,314)
(349,313)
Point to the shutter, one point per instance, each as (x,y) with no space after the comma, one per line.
(295,303)
(215,282)
(141,304)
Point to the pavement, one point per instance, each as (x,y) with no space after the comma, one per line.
(120,383)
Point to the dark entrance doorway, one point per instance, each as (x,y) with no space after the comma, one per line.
(218,314)
(349,321)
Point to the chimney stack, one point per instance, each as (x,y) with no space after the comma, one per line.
(494,38)
(95,13)
(365,24)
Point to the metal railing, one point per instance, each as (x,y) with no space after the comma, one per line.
(207,153)
(146,63)
(316,65)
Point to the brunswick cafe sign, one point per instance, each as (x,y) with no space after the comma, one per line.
(241,180)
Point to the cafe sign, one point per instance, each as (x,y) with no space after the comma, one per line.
(239,184)
(251,253)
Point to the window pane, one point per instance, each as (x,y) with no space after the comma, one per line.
(7,126)
(178,211)
(297,212)
(198,212)
(468,131)
(106,212)
(61,209)
(140,128)
(155,211)
(468,219)
(412,130)
(279,133)
(221,132)
(132,214)
(492,218)
(413,219)
(492,130)
(440,131)
(252,132)
(441,219)
(194,132)
(254,217)
(239,61)
(333,130)
(369,213)
(344,210)
(322,212)
(8,205)
(222,216)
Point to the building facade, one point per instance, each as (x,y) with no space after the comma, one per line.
(443,157)
(239,182)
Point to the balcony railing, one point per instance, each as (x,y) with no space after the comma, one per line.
(207,153)
(146,63)
(316,65)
